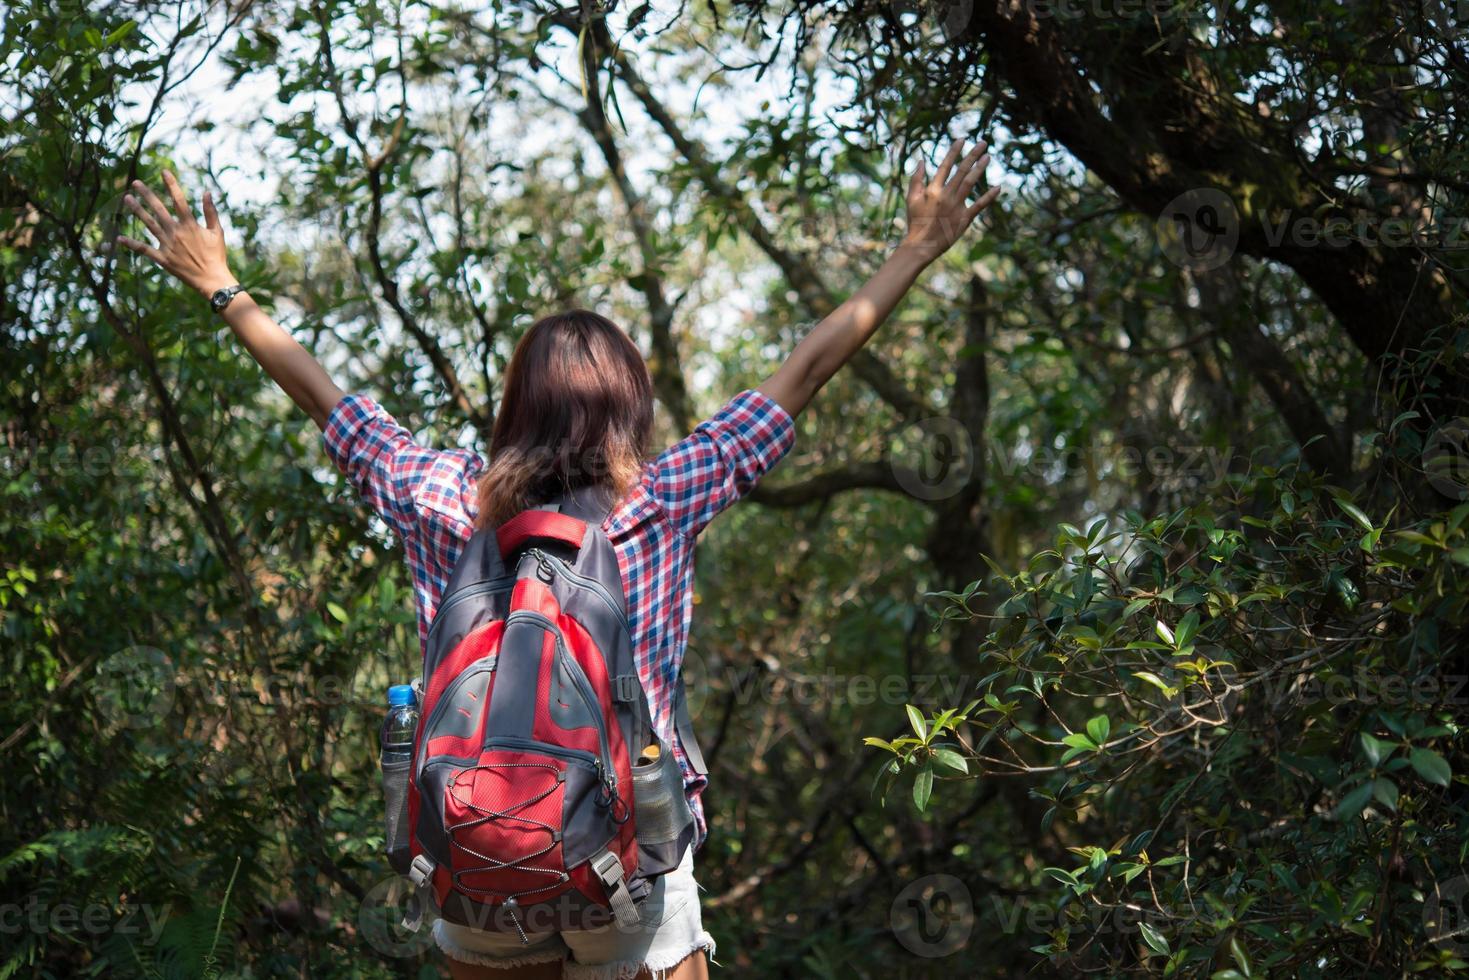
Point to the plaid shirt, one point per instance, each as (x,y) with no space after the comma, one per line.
(429,498)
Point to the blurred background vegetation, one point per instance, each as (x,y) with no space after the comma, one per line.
(1107,619)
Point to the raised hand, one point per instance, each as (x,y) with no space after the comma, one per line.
(939,211)
(192,252)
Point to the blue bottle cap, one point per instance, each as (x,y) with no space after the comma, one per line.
(400,694)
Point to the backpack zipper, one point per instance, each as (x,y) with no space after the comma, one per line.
(481,666)
(531,745)
(584,688)
(501,584)
(584,581)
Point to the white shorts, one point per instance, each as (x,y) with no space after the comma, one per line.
(671,930)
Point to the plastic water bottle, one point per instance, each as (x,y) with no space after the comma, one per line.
(398,732)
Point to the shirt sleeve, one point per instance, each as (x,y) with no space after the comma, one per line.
(721,460)
(397,476)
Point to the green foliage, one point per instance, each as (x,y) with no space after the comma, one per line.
(1244,754)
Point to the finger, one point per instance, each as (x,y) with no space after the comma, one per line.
(971,159)
(973,176)
(948,165)
(155,202)
(985,201)
(180,202)
(148,220)
(211,216)
(916,181)
(140,248)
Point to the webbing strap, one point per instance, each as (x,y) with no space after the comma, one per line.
(685,726)
(609,871)
(421,876)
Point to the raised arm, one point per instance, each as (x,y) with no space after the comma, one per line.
(939,212)
(195,254)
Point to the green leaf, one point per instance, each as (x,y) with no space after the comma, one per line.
(1352,803)
(1156,941)
(1374,749)
(1354,512)
(923,788)
(1188,627)
(1237,950)
(1164,633)
(915,718)
(121,32)
(951,759)
(338,613)
(880,743)
(1156,681)
(1099,728)
(1431,766)
(1385,791)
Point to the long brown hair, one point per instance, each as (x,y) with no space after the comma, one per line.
(577,410)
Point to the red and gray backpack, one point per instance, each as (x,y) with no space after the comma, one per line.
(521,800)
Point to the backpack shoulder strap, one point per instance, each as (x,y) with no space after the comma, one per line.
(591,504)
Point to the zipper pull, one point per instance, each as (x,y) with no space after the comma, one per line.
(545,571)
(607,780)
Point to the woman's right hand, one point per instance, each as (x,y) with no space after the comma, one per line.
(192,252)
(939,211)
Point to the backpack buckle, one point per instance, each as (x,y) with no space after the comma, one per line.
(625,687)
(420,870)
(608,868)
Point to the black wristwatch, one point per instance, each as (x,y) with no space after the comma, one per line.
(221,297)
